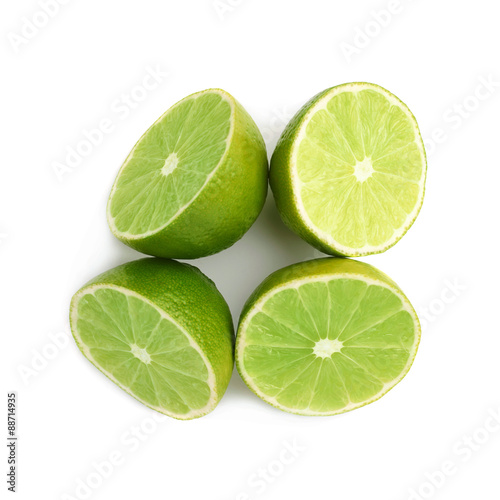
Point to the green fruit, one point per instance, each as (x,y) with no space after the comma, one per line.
(161,331)
(194,183)
(348,173)
(326,336)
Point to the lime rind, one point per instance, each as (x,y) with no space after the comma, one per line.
(324,381)
(86,350)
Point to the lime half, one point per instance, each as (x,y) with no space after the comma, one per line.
(325,337)
(348,173)
(194,183)
(161,331)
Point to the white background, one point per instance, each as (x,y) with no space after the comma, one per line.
(272,56)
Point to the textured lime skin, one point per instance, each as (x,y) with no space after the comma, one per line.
(328,266)
(227,206)
(280,179)
(187,296)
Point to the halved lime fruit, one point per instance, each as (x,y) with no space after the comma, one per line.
(161,331)
(348,173)
(194,183)
(326,336)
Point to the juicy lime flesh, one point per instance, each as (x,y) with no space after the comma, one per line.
(326,345)
(360,168)
(171,163)
(146,353)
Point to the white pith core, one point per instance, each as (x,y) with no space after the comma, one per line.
(170,164)
(363,169)
(140,354)
(324,348)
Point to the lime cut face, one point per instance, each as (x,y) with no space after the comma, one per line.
(170,164)
(161,331)
(356,166)
(142,350)
(326,343)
